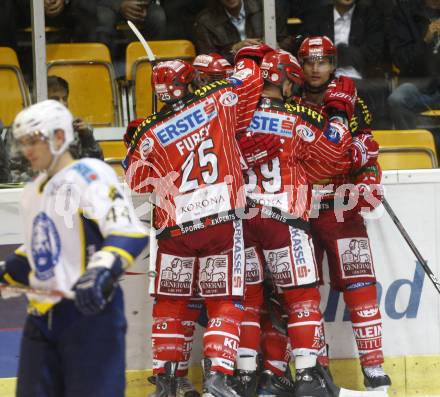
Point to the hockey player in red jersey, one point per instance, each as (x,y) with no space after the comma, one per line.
(188,158)
(278,226)
(346,243)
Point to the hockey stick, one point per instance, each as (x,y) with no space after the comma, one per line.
(153,240)
(15,289)
(414,249)
(149,53)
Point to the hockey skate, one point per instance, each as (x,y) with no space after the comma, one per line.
(184,387)
(375,378)
(315,381)
(215,383)
(245,383)
(309,382)
(166,384)
(273,385)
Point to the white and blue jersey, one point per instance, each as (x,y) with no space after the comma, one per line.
(80,210)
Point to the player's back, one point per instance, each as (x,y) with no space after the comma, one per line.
(283,182)
(190,158)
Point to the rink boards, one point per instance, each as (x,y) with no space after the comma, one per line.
(409,303)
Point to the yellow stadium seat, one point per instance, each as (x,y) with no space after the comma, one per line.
(78,52)
(431,113)
(114,152)
(161,49)
(93,91)
(138,69)
(8,56)
(406,149)
(14,94)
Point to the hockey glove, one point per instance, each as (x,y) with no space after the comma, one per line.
(364,151)
(340,97)
(14,270)
(259,148)
(369,187)
(6,294)
(95,288)
(255,52)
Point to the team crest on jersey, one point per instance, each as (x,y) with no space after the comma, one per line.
(45,246)
(272,123)
(213,275)
(146,148)
(333,134)
(355,258)
(253,272)
(185,123)
(176,275)
(280,265)
(228,99)
(305,133)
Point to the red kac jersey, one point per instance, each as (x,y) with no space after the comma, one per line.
(189,159)
(313,148)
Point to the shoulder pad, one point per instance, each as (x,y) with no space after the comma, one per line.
(145,125)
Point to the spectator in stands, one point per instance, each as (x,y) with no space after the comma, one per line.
(181,15)
(74,20)
(357,29)
(415,46)
(147,15)
(8,24)
(84,144)
(225,26)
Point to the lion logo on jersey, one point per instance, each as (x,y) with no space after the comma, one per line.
(45,246)
(215,270)
(178,270)
(279,265)
(355,257)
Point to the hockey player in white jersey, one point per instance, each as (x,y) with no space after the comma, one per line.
(80,233)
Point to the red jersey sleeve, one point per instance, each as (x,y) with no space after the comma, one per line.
(248,85)
(327,155)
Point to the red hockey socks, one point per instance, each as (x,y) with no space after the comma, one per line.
(367,324)
(168,332)
(222,336)
(305,324)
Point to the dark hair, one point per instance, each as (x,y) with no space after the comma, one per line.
(57,83)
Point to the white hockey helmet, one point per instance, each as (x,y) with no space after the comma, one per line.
(45,118)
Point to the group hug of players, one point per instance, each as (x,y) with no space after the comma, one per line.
(246,164)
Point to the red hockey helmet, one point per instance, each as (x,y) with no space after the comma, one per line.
(256,52)
(317,47)
(170,79)
(212,66)
(278,66)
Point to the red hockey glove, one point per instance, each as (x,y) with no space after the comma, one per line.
(340,97)
(255,52)
(131,129)
(259,148)
(364,151)
(369,187)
